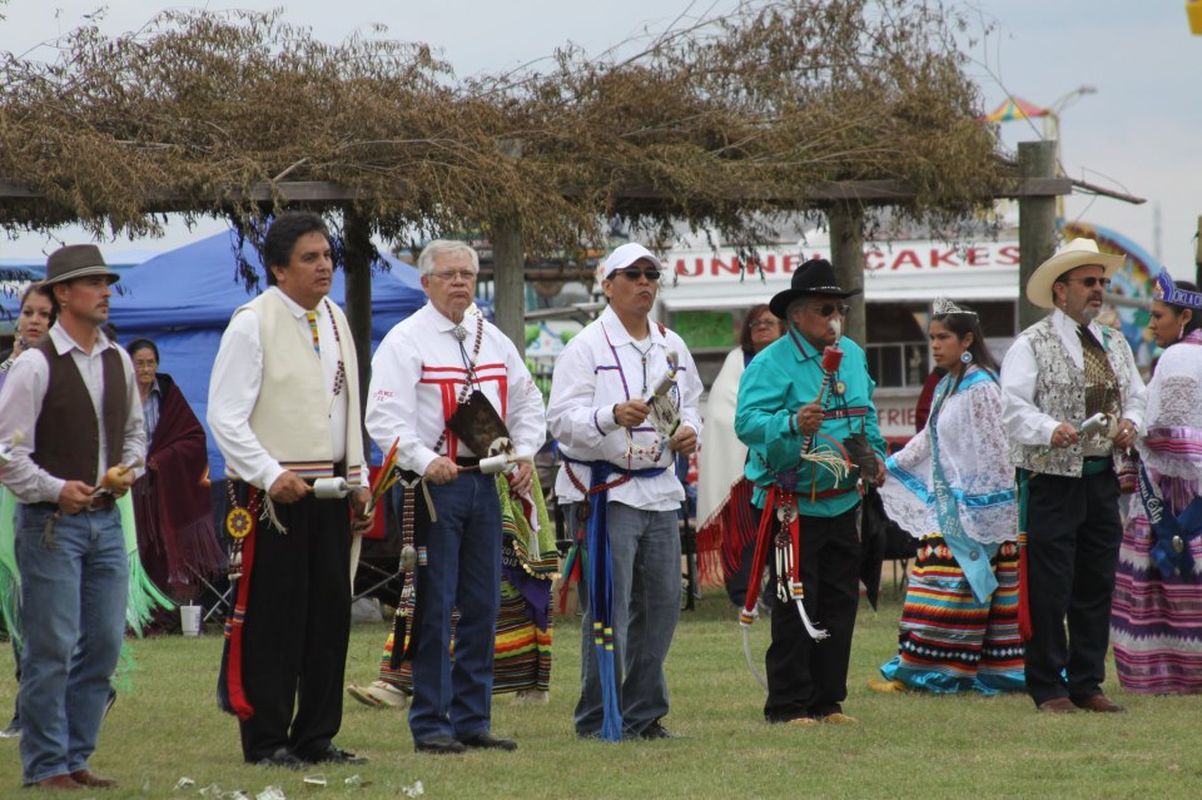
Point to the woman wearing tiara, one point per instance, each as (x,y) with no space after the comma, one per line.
(952,487)
(1156,620)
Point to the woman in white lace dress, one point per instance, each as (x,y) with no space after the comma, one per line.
(952,487)
(1156,617)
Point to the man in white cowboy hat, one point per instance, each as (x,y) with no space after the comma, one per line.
(1060,373)
(805,396)
(618,475)
(71,410)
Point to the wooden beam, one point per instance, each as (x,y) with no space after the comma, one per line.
(869,191)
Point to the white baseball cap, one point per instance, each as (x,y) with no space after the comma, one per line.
(622,257)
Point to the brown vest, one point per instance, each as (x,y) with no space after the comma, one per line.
(67,437)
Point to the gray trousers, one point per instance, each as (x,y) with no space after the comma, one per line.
(645,548)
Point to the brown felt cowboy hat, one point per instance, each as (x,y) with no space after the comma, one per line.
(814,277)
(1076,253)
(76,261)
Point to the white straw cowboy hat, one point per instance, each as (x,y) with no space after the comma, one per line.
(1076,253)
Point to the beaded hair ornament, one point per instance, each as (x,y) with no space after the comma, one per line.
(1167,292)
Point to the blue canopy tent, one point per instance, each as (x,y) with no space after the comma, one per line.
(183,299)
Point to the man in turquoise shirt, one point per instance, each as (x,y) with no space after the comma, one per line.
(777,417)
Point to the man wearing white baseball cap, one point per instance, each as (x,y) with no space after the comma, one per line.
(1073,396)
(624,403)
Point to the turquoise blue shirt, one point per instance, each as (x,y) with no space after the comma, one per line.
(782,378)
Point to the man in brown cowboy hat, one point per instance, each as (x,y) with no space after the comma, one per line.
(801,404)
(71,410)
(1059,373)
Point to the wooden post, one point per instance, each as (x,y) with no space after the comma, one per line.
(356,238)
(1198,255)
(847,257)
(1036,224)
(509,264)
(509,296)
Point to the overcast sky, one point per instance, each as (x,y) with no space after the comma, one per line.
(1139,132)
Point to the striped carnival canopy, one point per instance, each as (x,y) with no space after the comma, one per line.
(1013,108)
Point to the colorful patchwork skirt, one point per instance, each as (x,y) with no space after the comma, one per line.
(948,642)
(1156,622)
(523,643)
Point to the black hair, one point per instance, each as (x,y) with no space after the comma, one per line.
(282,236)
(1195,321)
(143,344)
(961,325)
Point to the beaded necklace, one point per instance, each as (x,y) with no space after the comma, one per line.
(653,452)
(340,370)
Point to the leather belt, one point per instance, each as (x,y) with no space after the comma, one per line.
(104,502)
(467,461)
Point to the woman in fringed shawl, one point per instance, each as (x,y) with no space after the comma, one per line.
(172,503)
(529,563)
(727,520)
(952,487)
(1156,619)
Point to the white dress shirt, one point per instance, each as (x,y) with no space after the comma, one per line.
(21,405)
(603,366)
(234,390)
(418,374)
(1023,420)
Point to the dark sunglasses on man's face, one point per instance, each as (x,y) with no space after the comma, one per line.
(633,274)
(1091,281)
(827,309)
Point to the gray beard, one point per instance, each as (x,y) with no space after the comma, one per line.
(1089,313)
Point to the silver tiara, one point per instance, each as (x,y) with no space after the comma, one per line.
(943,307)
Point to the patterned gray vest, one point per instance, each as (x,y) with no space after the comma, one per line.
(1060,393)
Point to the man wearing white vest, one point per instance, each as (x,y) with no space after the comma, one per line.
(284,410)
(1073,398)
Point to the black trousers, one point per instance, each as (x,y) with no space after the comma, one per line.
(298,618)
(808,678)
(1073,536)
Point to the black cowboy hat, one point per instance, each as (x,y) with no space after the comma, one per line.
(814,277)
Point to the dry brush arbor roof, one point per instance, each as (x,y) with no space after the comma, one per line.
(715,122)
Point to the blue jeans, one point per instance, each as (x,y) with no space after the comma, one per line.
(74,585)
(645,548)
(463,571)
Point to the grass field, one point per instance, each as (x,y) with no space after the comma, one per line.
(167,727)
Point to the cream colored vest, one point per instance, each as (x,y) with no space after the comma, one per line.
(291,417)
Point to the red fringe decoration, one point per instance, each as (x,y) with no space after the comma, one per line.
(725,536)
(760,558)
(1024,605)
(238,701)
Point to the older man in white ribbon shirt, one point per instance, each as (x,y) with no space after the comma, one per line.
(618,470)
(426,369)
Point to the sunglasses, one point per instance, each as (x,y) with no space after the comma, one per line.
(828,309)
(650,274)
(1091,282)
